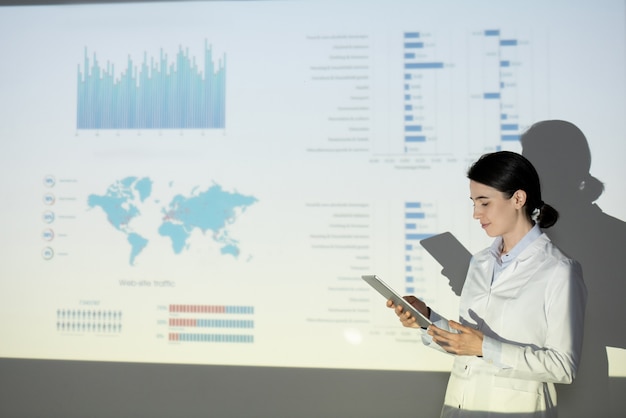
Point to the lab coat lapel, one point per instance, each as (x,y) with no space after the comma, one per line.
(513,279)
(485,266)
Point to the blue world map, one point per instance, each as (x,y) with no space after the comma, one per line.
(211,210)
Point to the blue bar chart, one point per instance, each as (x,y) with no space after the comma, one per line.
(499,71)
(421,68)
(453,80)
(154,94)
(510,129)
(418,226)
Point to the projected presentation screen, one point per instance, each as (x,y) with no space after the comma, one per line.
(206,182)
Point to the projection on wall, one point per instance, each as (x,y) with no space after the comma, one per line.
(206,182)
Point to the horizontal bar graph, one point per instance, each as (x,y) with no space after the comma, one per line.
(496,66)
(158,94)
(418,58)
(417,227)
(187,322)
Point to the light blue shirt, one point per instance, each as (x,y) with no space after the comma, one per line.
(503,261)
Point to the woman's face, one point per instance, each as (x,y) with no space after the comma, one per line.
(497,214)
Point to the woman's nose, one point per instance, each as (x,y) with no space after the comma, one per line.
(476,212)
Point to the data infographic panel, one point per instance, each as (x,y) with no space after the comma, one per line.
(163,95)
(206,182)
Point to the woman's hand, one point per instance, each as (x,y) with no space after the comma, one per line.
(468,342)
(406,318)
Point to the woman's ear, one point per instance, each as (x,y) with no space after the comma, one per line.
(519,198)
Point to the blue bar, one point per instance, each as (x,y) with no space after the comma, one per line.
(407,258)
(503,116)
(413,45)
(408,118)
(408,108)
(216,338)
(224,323)
(409,279)
(407,87)
(415,215)
(407,97)
(415,138)
(410,226)
(508,42)
(492,32)
(412,205)
(239,310)
(413,128)
(407,269)
(509,127)
(505,63)
(408,35)
(409,55)
(491,96)
(410,289)
(423,65)
(510,137)
(418,237)
(407,77)
(408,247)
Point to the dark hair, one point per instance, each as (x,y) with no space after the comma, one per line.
(509,172)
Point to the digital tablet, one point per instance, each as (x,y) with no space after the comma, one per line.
(384,289)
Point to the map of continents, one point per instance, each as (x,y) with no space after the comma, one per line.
(211,210)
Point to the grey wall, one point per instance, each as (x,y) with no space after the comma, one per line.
(69,389)
(32,388)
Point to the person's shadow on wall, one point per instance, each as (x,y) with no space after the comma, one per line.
(560,153)
(452,256)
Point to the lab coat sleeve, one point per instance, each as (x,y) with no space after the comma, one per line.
(439,322)
(557,359)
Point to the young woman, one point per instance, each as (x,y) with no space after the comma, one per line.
(522,304)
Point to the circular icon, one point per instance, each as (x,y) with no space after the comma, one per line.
(47,253)
(49,199)
(49,181)
(47,234)
(48,217)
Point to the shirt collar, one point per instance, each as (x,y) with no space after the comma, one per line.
(530,236)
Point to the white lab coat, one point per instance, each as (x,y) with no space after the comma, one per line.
(533,315)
